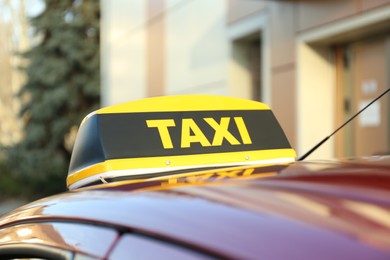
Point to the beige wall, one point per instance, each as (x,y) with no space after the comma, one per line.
(196,47)
(283,64)
(168,47)
(237,9)
(155,48)
(123,51)
(163,47)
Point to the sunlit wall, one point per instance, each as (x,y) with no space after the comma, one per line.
(283,53)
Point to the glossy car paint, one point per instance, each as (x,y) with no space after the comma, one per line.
(89,240)
(307,210)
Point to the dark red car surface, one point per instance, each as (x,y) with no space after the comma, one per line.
(306,210)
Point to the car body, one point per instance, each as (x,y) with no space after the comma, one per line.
(261,210)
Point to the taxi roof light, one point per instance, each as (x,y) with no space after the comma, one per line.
(171,133)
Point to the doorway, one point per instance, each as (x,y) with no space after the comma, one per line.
(362,71)
(247,58)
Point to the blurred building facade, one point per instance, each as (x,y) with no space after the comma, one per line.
(315,62)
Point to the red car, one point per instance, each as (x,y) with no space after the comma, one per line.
(204,177)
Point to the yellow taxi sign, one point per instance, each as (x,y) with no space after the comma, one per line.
(166,134)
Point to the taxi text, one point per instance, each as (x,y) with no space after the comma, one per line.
(191,133)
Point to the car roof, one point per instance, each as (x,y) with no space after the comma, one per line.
(305,208)
(218,175)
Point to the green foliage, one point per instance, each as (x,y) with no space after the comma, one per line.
(62,87)
(10,185)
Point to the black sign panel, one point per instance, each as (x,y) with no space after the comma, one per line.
(128,135)
(136,135)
